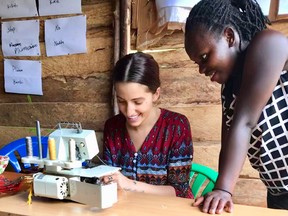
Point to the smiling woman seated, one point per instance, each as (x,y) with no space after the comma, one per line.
(153,146)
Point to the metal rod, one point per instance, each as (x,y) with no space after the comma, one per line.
(39,138)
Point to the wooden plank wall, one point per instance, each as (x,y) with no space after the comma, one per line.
(76,87)
(184,90)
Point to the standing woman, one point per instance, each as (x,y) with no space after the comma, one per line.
(153,146)
(230,42)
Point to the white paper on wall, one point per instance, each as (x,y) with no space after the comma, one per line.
(57,7)
(65,36)
(20,38)
(23,77)
(18,8)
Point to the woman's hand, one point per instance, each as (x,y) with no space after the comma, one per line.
(215,202)
(121,180)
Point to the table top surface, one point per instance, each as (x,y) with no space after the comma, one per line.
(129,203)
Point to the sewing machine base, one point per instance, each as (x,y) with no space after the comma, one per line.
(73,188)
(64,177)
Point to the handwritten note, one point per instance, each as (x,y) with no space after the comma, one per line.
(65,36)
(57,7)
(20,38)
(22,77)
(18,8)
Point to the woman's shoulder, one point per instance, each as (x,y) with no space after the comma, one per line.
(269,39)
(268,46)
(173,117)
(270,33)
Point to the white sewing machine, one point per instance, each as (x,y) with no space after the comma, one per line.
(64,177)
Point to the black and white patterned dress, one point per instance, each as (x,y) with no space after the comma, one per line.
(268,151)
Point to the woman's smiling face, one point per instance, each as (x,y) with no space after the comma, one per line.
(135,102)
(215,54)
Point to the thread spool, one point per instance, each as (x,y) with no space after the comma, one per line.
(72,150)
(52,148)
(29,146)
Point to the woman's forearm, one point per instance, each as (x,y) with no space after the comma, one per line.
(143,187)
(232,157)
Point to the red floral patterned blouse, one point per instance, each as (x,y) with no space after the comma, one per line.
(164,158)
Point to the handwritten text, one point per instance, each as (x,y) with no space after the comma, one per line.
(14,45)
(16,69)
(54,2)
(25,48)
(57,43)
(17,82)
(11,29)
(12,5)
(57,28)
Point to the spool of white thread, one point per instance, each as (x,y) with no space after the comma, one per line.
(29,146)
(72,150)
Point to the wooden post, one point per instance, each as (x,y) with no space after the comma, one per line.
(122,16)
(125,22)
(116,49)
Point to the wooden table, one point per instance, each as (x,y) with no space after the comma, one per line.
(129,203)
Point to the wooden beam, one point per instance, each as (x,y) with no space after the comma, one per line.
(273,11)
(125,23)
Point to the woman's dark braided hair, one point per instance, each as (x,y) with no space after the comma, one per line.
(245,16)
